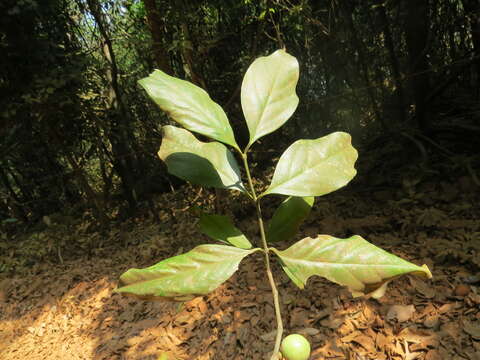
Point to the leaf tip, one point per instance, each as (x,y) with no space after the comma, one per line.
(426,271)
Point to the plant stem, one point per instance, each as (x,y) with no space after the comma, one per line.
(276,300)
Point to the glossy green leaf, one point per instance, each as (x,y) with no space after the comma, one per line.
(268,93)
(352,262)
(287,218)
(315,167)
(189,105)
(221,228)
(181,277)
(207,164)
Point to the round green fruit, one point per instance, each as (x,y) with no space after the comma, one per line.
(295,347)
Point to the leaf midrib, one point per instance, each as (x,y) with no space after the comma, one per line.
(208,115)
(332,264)
(290,179)
(267,101)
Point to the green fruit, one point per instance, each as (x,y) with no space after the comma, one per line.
(295,347)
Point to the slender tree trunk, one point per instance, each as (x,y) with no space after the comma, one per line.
(393,63)
(190,59)
(25,191)
(472,8)
(325,45)
(4,209)
(124,161)
(103,152)
(416,32)
(82,181)
(18,211)
(348,9)
(92,198)
(156,24)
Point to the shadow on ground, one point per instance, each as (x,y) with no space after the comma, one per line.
(69,312)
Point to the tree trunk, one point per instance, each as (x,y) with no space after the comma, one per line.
(82,181)
(124,161)
(348,9)
(14,201)
(416,33)
(190,59)
(385,21)
(156,24)
(472,8)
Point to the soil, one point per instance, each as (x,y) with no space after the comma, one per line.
(62,307)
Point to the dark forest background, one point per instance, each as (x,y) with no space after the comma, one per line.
(78,136)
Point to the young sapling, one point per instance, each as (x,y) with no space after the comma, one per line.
(306,169)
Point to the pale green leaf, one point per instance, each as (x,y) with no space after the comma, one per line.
(352,262)
(189,105)
(268,93)
(181,277)
(315,167)
(221,228)
(287,218)
(207,164)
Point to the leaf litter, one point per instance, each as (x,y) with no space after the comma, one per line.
(68,311)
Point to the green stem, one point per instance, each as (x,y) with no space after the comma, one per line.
(276,301)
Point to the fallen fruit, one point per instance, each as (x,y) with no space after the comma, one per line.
(295,347)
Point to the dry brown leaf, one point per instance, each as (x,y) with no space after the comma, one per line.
(368,314)
(332,322)
(269,336)
(241,315)
(401,313)
(329,350)
(446,308)
(350,337)
(476,345)
(431,321)
(399,348)
(322,314)
(433,355)
(382,341)
(472,328)
(424,289)
(474,298)
(309,331)
(299,317)
(366,342)
(452,329)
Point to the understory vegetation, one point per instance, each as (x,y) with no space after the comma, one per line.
(82,179)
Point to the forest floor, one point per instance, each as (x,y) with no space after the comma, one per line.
(63,307)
